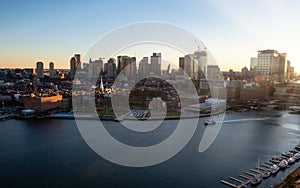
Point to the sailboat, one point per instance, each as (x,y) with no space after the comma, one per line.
(256,180)
(267,173)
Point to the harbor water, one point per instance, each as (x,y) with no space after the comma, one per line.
(52,153)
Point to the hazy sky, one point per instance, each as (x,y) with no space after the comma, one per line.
(232,30)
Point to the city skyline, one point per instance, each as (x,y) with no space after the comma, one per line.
(232,31)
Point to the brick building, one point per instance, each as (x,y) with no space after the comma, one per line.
(41,103)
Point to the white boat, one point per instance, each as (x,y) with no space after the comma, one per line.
(283,164)
(274,169)
(209,122)
(297,156)
(291,160)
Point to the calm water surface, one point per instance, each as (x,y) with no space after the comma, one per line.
(51,153)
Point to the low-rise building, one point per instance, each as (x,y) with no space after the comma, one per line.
(41,104)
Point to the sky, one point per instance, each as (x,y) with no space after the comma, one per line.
(232,30)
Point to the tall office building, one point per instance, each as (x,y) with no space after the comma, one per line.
(130,64)
(195,65)
(123,61)
(144,67)
(74,64)
(95,68)
(110,69)
(271,65)
(51,69)
(40,69)
(155,66)
(189,67)
(201,60)
(181,63)
(78,59)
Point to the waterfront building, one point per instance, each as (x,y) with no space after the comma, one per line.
(271,65)
(41,104)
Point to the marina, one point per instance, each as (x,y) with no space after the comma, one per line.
(263,171)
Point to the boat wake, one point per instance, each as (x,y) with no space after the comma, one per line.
(246,119)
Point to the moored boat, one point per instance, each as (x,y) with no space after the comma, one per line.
(283,164)
(291,160)
(274,169)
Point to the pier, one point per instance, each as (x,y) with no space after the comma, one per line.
(249,176)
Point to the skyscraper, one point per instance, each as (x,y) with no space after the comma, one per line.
(131,70)
(51,68)
(123,61)
(200,63)
(74,64)
(189,66)
(95,68)
(195,65)
(155,66)
(130,64)
(110,69)
(78,59)
(181,63)
(40,69)
(144,67)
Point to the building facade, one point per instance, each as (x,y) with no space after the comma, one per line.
(51,70)
(110,69)
(155,66)
(144,67)
(271,65)
(95,68)
(74,65)
(40,69)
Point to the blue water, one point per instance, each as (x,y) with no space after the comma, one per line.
(51,153)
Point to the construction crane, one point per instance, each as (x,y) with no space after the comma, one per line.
(198,46)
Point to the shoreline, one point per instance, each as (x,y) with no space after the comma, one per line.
(115,118)
(290,181)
